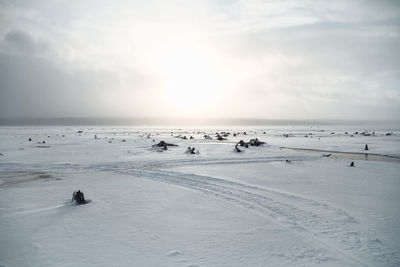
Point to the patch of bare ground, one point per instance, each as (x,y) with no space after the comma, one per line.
(10,178)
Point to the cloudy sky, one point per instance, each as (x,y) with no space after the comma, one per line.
(236,59)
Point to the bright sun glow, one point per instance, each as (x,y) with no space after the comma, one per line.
(191,78)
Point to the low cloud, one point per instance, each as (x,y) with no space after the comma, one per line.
(282,60)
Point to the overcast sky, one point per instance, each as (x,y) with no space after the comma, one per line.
(236,59)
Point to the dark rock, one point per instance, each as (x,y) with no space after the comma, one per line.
(256,142)
(78,197)
(206,136)
(163,144)
(220,138)
(236,149)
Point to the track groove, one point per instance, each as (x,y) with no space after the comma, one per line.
(317,221)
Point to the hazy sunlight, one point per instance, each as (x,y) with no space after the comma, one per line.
(191,79)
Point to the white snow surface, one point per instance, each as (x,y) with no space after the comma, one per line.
(265,206)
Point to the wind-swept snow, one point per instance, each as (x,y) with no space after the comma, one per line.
(266,206)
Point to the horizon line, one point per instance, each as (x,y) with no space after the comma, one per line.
(169,121)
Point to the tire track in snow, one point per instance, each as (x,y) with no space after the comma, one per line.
(322,223)
(327,225)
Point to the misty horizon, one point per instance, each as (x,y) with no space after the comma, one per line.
(183,121)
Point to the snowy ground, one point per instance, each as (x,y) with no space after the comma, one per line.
(266,206)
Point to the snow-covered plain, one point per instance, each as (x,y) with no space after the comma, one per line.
(265,206)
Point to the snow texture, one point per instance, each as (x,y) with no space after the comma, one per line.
(266,206)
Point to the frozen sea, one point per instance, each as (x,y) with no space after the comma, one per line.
(294,201)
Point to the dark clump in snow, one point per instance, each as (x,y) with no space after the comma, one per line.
(236,149)
(220,137)
(252,142)
(163,143)
(191,150)
(243,143)
(206,136)
(78,197)
(256,142)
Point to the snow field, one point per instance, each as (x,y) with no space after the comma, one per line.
(216,208)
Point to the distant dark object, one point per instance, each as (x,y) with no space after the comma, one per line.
(206,136)
(352,164)
(243,143)
(388,134)
(95,136)
(288,161)
(365,134)
(220,138)
(80,132)
(191,137)
(252,142)
(123,140)
(256,142)
(236,149)
(78,197)
(1,154)
(163,144)
(43,142)
(30,139)
(366,147)
(327,155)
(191,150)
